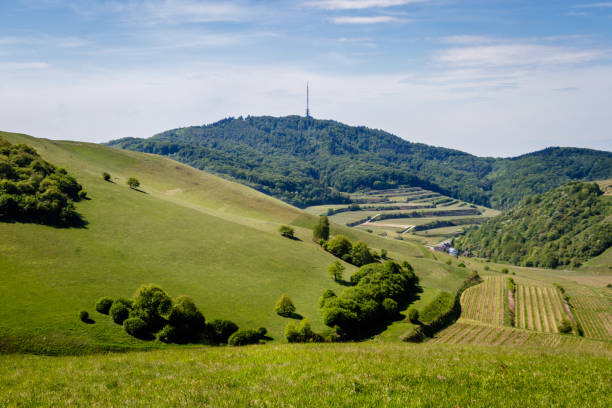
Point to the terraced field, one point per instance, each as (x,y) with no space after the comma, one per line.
(539,308)
(485,302)
(468,333)
(593,308)
(397,211)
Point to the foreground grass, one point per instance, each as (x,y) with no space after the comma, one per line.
(336,375)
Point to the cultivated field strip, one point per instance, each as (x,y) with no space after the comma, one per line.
(467,333)
(485,302)
(593,309)
(539,308)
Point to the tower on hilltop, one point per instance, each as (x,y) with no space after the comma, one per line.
(307,101)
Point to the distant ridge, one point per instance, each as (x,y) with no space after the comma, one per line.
(306,161)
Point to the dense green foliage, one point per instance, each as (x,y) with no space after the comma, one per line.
(443,303)
(358,254)
(222,330)
(305,161)
(335,271)
(301,332)
(321,229)
(359,310)
(104,304)
(245,337)
(284,306)
(34,190)
(565,226)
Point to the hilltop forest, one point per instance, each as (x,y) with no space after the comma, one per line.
(305,161)
(565,226)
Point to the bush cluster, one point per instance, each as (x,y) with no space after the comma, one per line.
(244,337)
(301,332)
(357,254)
(153,313)
(379,290)
(34,190)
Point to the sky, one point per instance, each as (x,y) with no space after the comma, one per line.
(490,77)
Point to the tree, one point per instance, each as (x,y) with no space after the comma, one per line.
(286,231)
(284,306)
(383,253)
(339,245)
(152,304)
(335,270)
(361,255)
(321,230)
(133,183)
(106,176)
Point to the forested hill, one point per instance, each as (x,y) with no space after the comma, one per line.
(306,161)
(565,226)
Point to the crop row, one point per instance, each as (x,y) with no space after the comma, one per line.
(539,308)
(594,312)
(467,333)
(485,302)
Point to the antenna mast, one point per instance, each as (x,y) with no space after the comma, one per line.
(307,101)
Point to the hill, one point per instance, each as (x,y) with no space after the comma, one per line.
(565,226)
(305,161)
(188,231)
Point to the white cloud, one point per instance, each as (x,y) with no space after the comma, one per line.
(358,4)
(517,55)
(366,19)
(604,4)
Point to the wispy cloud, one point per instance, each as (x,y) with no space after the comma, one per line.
(23,66)
(510,55)
(366,19)
(603,4)
(181,11)
(358,4)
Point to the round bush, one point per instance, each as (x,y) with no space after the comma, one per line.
(391,307)
(84,316)
(104,305)
(223,329)
(119,311)
(167,334)
(565,326)
(244,337)
(413,316)
(135,326)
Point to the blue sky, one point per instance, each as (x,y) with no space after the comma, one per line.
(495,78)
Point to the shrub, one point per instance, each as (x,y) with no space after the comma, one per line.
(167,334)
(120,310)
(135,326)
(504,271)
(383,253)
(286,231)
(413,316)
(335,271)
(284,306)
(244,336)
(486,268)
(440,305)
(84,316)
(104,304)
(339,245)
(152,304)
(222,330)
(82,195)
(565,326)
(609,285)
(328,294)
(449,262)
(301,332)
(133,183)
(414,335)
(390,306)
(361,255)
(188,321)
(106,176)
(461,265)
(321,230)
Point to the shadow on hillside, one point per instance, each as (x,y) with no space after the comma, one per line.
(344,282)
(76,221)
(139,190)
(89,320)
(293,315)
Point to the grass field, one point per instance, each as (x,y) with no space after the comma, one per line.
(186,230)
(330,375)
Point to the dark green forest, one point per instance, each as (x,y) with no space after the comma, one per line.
(305,161)
(34,190)
(565,226)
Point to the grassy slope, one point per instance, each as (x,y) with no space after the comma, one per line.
(191,232)
(330,375)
